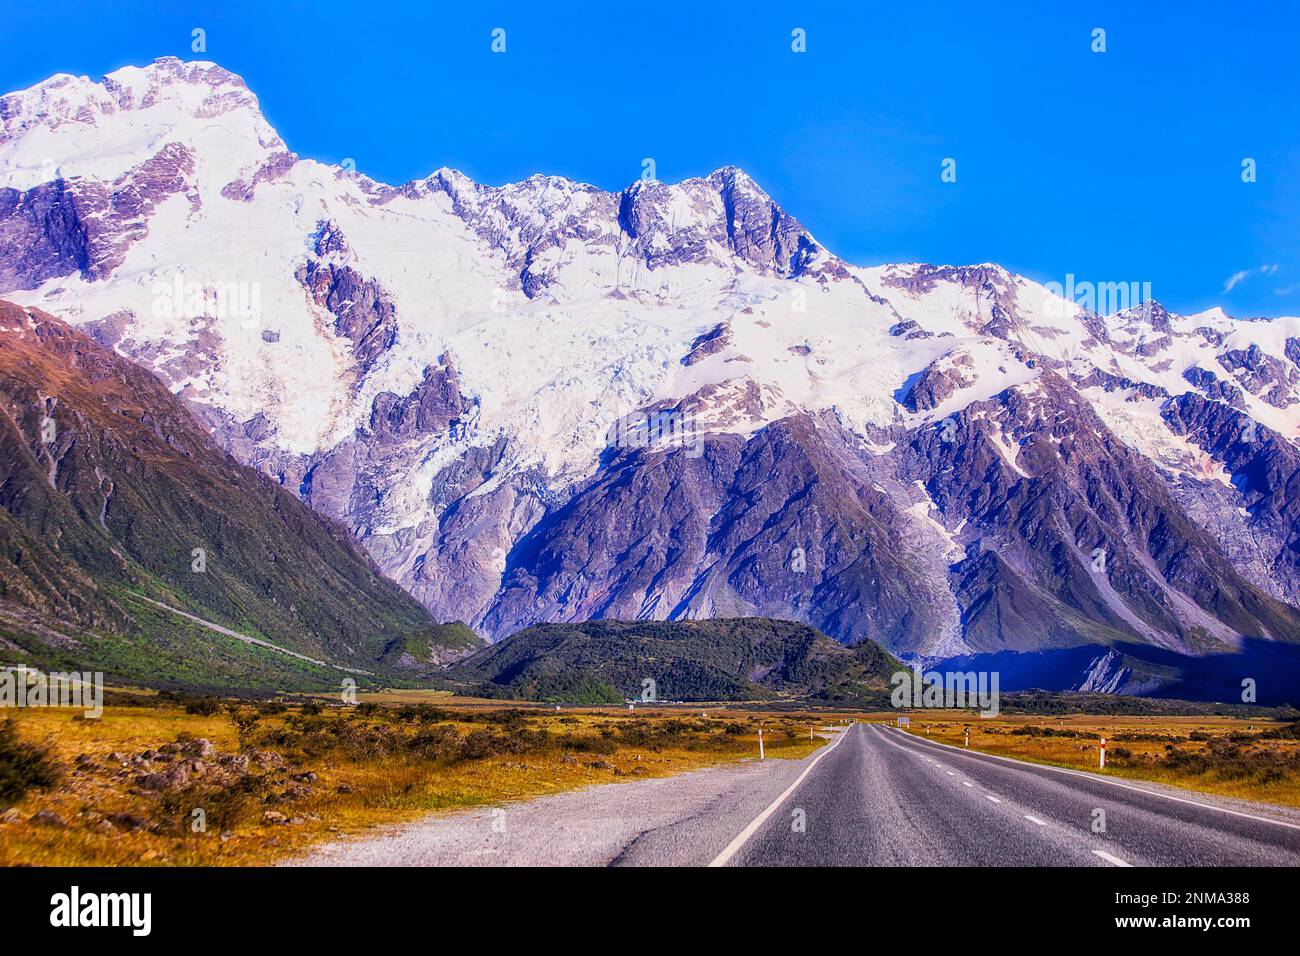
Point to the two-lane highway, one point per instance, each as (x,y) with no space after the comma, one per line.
(885,797)
(874,796)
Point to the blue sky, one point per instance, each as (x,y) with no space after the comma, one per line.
(1115,166)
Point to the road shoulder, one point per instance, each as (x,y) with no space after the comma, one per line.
(685,819)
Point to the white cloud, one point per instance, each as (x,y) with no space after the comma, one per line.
(1237,278)
(1234,279)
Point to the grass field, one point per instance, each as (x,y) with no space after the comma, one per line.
(271,779)
(1247,758)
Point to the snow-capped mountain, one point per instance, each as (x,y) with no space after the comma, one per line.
(544,401)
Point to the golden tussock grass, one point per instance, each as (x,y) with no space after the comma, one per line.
(369,772)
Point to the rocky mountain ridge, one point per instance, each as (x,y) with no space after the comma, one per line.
(549,402)
(114,503)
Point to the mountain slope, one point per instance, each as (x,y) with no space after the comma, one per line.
(545,401)
(719,659)
(109,485)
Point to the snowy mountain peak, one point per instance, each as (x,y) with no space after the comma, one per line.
(195,87)
(68,126)
(444,365)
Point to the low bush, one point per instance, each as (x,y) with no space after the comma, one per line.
(224,807)
(23,766)
(1032,731)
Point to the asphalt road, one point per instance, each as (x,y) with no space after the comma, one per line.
(885,797)
(875,796)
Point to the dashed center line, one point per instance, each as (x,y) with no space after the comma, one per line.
(1095,778)
(1113,860)
(1108,857)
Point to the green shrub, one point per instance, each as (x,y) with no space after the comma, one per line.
(1028,730)
(1286,732)
(438,742)
(423,713)
(23,766)
(224,807)
(245,722)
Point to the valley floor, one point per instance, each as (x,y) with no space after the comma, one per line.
(410,777)
(875,796)
(271,780)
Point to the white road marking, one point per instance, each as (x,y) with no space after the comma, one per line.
(1113,783)
(991,799)
(732,848)
(1041,823)
(950,773)
(1112,860)
(967,783)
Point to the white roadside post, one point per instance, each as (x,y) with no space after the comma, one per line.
(760,744)
(968,738)
(1103,752)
